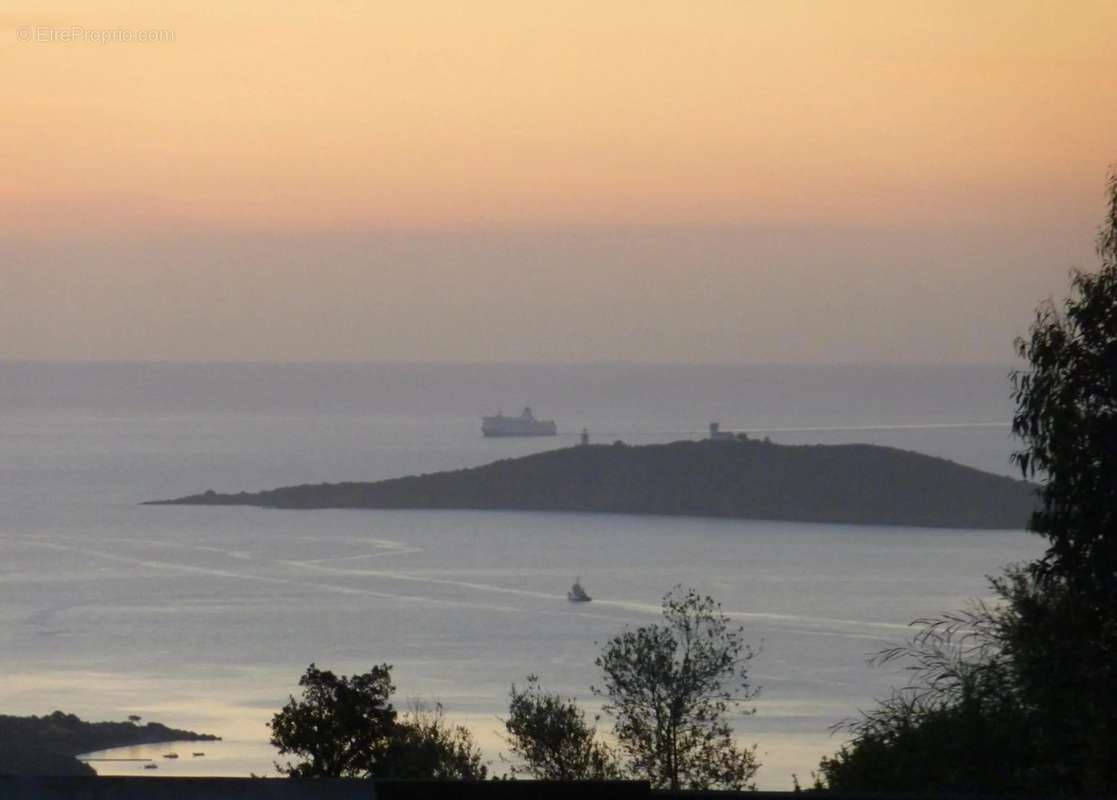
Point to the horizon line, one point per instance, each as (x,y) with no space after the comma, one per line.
(5,362)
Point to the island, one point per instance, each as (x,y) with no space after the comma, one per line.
(48,745)
(856,484)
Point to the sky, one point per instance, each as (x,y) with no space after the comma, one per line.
(721,181)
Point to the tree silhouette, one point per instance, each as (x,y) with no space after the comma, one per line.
(341,727)
(1020,697)
(552,737)
(670,688)
(347,727)
(1064,632)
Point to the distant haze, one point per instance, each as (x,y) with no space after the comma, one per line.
(722,182)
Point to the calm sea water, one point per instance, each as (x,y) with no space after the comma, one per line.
(205,617)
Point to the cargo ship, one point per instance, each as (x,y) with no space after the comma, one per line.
(524,425)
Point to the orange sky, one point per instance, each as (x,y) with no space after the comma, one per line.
(268,119)
(335,114)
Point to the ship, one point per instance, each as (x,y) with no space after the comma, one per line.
(524,425)
(577,594)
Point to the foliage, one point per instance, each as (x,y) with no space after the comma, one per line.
(347,727)
(552,737)
(959,726)
(1064,635)
(1067,417)
(670,687)
(340,728)
(426,746)
(1020,697)
(1063,649)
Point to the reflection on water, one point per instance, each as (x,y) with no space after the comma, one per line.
(220,759)
(204,618)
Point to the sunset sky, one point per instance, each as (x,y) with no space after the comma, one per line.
(728,181)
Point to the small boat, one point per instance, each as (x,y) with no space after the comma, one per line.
(151,766)
(198,755)
(577,594)
(170,755)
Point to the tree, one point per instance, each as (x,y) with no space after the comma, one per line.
(1067,417)
(1064,633)
(347,727)
(958,727)
(552,737)
(1020,697)
(670,687)
(426,746)
(340,728)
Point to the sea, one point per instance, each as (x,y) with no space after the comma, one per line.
(204,618)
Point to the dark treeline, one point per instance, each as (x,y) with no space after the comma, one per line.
(47,745)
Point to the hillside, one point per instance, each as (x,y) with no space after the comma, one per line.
(854,484)
(47,745)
